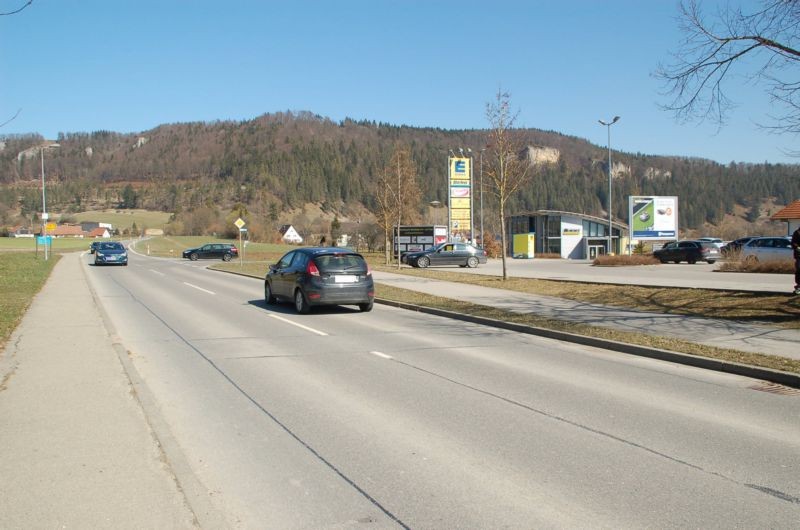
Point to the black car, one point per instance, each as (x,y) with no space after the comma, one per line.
(223,251)
(735,245)
(688,251)
(110,253)
(461,254)
(320,276)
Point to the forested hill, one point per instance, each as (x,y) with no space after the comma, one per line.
(277,162)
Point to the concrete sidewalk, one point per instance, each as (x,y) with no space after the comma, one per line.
(713,332)
(77,450)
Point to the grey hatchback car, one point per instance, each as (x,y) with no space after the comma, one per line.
(318,276)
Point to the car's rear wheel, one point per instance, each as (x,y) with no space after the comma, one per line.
(300,303)
(472,262)
(268,296)
(226,257)
(193,256)
(711,261)
(692,261)
(366,307)
(423,262)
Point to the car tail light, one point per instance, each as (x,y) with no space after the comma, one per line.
(312,269)
(369,270)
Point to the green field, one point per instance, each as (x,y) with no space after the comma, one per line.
(124,219)
(60,244)
(173,246)
(21,277)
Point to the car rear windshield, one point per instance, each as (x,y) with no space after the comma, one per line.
(340,262)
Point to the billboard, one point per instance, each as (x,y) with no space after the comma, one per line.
(652,217)
(460,194)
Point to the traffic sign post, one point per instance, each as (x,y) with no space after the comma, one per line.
(239,223)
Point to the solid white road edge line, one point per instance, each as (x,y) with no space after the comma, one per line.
(382,355)
(312,330)
(199,288)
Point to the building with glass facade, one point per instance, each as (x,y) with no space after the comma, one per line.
(570,235)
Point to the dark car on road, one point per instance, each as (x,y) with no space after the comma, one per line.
(223,251)
(93,246)
(461,254)
(110,253)
(318,276)
(688,251)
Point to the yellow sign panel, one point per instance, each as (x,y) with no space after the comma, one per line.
(50,227)
(459,203)
(461,215)
(459,169)
(239,223)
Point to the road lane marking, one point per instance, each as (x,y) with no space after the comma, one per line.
(312,330)
(381,355)
(157,272)
(199,288)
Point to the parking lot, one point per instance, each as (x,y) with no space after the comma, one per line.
(699,275)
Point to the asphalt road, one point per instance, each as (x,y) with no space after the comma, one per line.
(399,419)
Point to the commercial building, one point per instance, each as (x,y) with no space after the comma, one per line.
(570,235)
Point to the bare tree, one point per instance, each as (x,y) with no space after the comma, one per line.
(507,168)
(397,194)
(760,45)
(29,2)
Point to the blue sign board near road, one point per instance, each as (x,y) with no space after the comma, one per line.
(44,240)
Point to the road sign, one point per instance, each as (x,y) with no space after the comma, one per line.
(50,226)
(239,223)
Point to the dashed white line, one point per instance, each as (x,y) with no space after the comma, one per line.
(381,355)
(312,330)
(199,288)
(157,272)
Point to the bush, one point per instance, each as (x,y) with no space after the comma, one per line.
(738,265)
(622,260)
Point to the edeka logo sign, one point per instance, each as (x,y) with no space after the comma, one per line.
(461,167)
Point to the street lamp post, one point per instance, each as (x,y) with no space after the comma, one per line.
(610,232)
(44,200)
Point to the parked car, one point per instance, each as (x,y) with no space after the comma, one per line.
(461,254)
(318,276)
(223,251)
(735,245)
(768,249)
(93,246)
(110,252)
(689,251)
(715,240)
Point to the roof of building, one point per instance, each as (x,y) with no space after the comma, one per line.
(67,230)
(615,222)
(98,232)
(790,212)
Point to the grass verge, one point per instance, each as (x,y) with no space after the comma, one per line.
(779,310)
(21,277)
(666,343)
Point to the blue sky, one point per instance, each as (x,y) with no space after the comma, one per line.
(128,66)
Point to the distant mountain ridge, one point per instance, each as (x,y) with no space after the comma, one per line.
(279,162)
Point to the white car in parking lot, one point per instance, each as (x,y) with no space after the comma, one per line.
(768,249)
